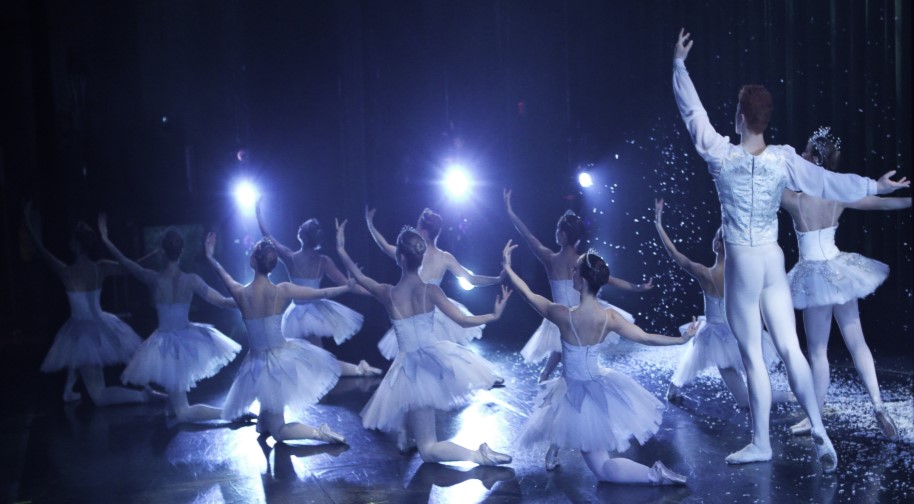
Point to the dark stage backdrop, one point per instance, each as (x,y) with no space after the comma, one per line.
(148,110)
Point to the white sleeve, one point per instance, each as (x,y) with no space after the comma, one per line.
(817,181)
(710,144)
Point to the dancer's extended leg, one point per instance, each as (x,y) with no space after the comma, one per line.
(94,379)
(184,412)
(274,423)
(363,368)
(735,383)
(422,426)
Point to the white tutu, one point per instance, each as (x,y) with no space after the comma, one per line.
(323,318)
(90,337)
(427,374)
(178,359)
(604,413)
(845,277)
(548,338)
(445,329)
(279,372)
(714,346)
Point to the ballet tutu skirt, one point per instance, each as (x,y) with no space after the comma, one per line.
(322,318)
(445,329)
(590,408)
(179,353)
(547,338)
(426,373)
(826,276)
(714,346)
(90,337)
(279,373)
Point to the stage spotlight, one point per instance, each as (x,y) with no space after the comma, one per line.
(464,283)
(246,195)
(457,181)
(584,179)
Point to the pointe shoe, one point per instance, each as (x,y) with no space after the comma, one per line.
(491,457)
(366,369)
(552,458)
(328,435)
(749,455)
(825,452)
(801,428)
(886,423)
(70,396)
(404,442)
(660,474)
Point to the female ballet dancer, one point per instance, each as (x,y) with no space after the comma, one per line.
(435,264)
(827,282)
(179,353)
(545,342)
(714,345)
(750,178)
(429,373)
(319,318)
(589,408)
(90,339)
(276,371)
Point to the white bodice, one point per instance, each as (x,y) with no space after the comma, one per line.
(84,305)
(580,362)
(265,333)
(415,332)
(314,283)
(172,316)
(435,281)
(714,310)
(563,293)
(818,245)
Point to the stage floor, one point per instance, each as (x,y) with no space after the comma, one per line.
(52,452)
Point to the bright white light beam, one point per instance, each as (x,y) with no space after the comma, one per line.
(457,181)
(584,179)
(246,195)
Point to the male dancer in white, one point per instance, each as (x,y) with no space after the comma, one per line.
(750,178)
(827,282)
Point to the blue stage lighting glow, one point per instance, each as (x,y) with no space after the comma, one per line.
(464,284)
(584,179)
(246,195)
(457,181)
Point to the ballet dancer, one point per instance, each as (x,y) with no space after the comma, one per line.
(595,410)
(569,231)
(320,318)
(714,345)
(91,338)
(276,371)
(826,282)
(179,353)
(435,264)
(750,178)
(428,374)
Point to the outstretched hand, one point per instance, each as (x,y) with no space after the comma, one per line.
(683,45)
(886,185)
(103,226)
(506,254)
(502,300)
(658,210)
(691,330)
(209,245)
(340,234)
(647,285)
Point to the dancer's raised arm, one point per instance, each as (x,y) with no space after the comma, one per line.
(145,275)
(475,280)
(539,250)
(385,246)
(285,253)
(235,288)
(689,266)
(436,295)
(539,303)
(375,288)
(877,203)
(302,292)
(626,329)
(626,285)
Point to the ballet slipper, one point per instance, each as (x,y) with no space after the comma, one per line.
(660,474)
(886,423)
(405,443)
(328,435)
(491,457)
(366,369)
(801,428)
(749,454)
(825,452)
(552,458)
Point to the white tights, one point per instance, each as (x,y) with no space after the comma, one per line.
(184,412)
(817,322)
(756,288)
(346,368)
(94,379)
(616,470)
(422,427)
